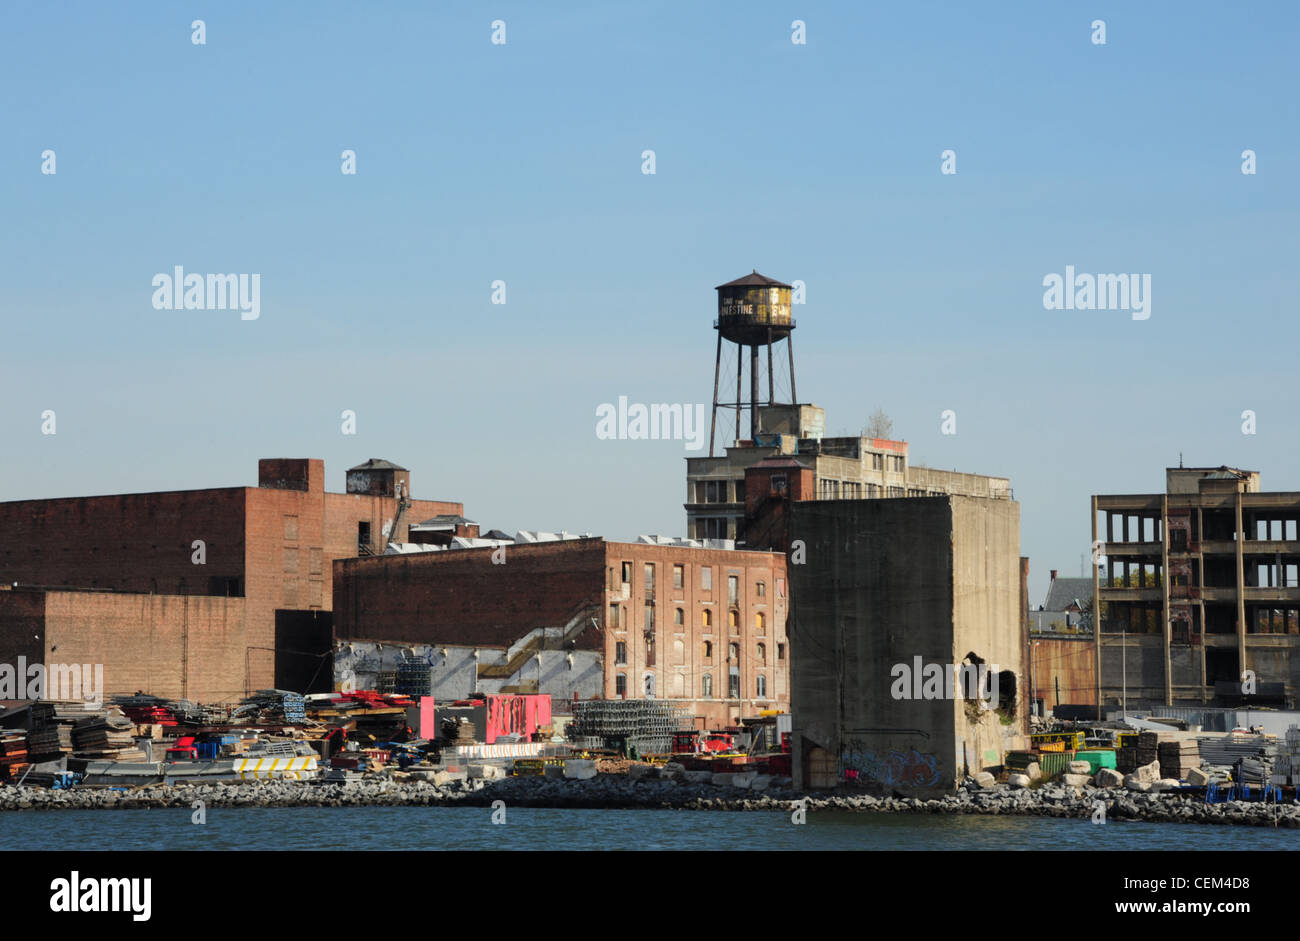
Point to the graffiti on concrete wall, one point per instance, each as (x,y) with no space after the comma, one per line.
(892,769)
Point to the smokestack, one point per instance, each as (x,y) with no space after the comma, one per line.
(1053,574)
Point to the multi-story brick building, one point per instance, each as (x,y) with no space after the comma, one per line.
(662,619)
(1195,586)
(269,546)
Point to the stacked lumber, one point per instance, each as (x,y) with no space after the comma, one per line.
(1178,757)
(13,754)
(110,736)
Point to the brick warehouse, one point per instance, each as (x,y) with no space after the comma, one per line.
(703,626)
(261,582)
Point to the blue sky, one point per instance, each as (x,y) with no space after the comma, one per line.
(522,162)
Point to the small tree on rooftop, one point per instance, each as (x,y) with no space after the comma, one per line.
(879,425)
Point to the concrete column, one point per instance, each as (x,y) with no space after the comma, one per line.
(1241,590)
(1096,605)
(1164,581)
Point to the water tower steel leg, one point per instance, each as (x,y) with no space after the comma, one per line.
(753,393)
(740,364)
(771,382)
(789,343)
(717,367)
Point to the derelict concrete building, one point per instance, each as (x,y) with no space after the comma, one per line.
(886,587)
(1196,585)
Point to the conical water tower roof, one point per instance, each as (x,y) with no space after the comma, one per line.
(754,280)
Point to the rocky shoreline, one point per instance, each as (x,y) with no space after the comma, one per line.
(609,791)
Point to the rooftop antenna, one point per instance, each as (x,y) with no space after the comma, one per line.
(1180,460)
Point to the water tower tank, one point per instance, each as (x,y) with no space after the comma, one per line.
(754,310)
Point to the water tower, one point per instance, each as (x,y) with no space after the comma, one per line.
(753,311)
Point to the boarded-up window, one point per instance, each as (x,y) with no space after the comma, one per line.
(316,561)
(291,592)
(316,594)
(290,529)
(291,560)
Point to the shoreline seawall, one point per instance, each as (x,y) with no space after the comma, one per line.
(623,792)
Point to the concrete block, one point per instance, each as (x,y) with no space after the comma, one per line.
(1033,771)
(734,779)
(1018,780)
(1075,780)
(698,777)
(1078,767)
(579,769)
(985,779)
(1148,774)
(761,782)
(1134,784)
(673,767)
(1108,777)
(442,778)
(637,772)
(1166,784)
(553,772)
(1198,777)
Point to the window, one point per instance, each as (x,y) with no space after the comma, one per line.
(649,686)
(650,579)
(733,653)
(760,622)
(762,653)
(649,650)
(627,572)
(708,650)
(706,619)
(649,618)
(733,620)
(706,578)
(679,617)
(740,491)
(760,589)
(780,587)
(363,535)
(779,484)
(760,687)
(677,576)
(706,686)
(733,589)
(613,616)
(620,653)
(733,685)
(620,686)
(877,462)
(780,651)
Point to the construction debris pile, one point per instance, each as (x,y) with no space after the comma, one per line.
(272,707)
(110,736)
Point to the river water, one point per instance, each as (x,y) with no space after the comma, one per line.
(471,828)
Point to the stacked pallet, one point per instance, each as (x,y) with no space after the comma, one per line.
(1148,747)
(1286,767)
(1126,759)
(13,754)
(50,743)
(1178,757)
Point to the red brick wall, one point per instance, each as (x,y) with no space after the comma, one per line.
(459,596)
(189,647)
(136,542)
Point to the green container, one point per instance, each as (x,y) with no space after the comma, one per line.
(1097,758)
(1052,763)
